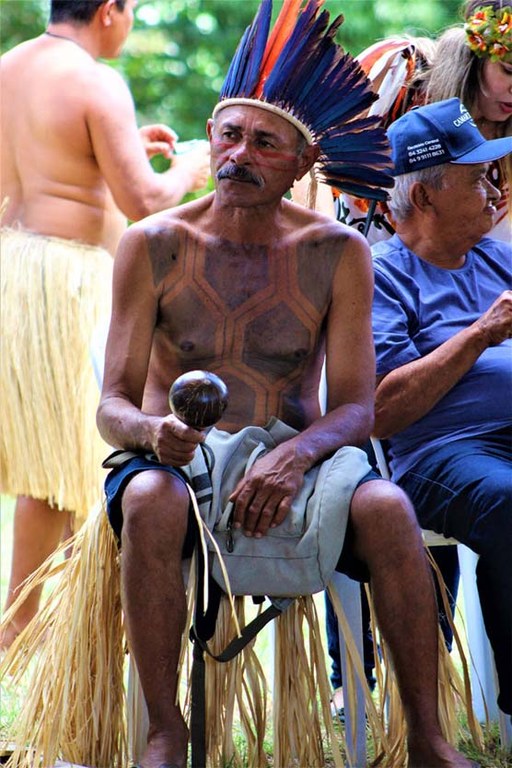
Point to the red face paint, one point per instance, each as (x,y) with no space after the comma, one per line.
(253,152)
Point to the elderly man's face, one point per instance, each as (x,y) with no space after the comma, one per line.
(465,205)
(256,155)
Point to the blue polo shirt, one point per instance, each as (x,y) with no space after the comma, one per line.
(418,306)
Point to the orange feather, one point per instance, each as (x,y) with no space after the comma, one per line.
(279,36)
(368,59)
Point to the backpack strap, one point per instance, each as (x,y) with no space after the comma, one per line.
(198,692)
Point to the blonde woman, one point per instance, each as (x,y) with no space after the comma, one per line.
(473,61)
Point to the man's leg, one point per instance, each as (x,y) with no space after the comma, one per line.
(155,510)
(387,539)
(333,643)
(463,489)
(38,529)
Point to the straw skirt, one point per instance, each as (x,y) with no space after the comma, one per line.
(54,294)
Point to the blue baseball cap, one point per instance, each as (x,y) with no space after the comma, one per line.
(442,132)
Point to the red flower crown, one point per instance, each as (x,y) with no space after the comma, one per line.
(489,33)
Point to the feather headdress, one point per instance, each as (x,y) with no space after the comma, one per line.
(300,73)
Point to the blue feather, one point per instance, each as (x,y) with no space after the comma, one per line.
(233,78)
(256,47)
(292,52)
(314,73)
(358,173)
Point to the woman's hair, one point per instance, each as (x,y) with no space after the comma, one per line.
(470,6)
(78,11)
(399,202)
(455,71)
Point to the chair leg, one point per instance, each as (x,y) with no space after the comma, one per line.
(483,672)
(506,730)
(349,593)
(483,675)
(137,715)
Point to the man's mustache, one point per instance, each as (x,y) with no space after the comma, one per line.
(239,173)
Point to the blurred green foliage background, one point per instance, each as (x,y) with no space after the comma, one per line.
(178,53)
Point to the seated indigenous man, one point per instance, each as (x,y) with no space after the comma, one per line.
(257,289)
(442,320)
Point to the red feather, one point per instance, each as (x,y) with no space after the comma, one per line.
(283,27)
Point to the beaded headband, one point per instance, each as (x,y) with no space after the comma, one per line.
(300,73)
(489,33)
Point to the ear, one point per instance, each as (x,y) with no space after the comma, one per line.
(420,196)
(209,128)
(105,12)
(307,159)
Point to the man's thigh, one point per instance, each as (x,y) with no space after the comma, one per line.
(464,490)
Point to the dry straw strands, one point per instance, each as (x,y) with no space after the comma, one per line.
(75,708)
(54,294)
(455,693)
(301,704)
(235,690)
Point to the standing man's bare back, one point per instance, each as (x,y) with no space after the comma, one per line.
(74,170)
(73,163)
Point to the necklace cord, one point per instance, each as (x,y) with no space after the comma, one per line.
(63,37)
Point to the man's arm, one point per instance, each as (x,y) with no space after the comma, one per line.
(409,392)
(264,497)
(121,156)
(121,420)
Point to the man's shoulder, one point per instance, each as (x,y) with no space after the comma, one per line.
(180,218)
(315,226)
(391,251)
(100,82)
(73,72)
(21,49)
(493,247)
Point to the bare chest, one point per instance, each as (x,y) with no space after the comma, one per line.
(244,304)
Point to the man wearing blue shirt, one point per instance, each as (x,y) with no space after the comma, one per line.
(442,321)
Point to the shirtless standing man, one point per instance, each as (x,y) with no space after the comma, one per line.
(74,168)
(254,288)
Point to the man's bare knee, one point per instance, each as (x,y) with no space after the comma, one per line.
(380,511)
(155,504)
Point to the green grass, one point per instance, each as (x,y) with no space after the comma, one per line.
(9,699)
(494,757)
(6,521)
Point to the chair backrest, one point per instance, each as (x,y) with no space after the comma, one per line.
(379,449)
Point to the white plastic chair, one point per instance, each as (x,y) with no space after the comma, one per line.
(349,593)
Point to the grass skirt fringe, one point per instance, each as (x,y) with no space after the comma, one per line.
(385,714)
(303,725)
(74,651)
(76,706)
(235,690)
(54,294)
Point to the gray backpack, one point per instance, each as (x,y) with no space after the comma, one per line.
(297,557)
